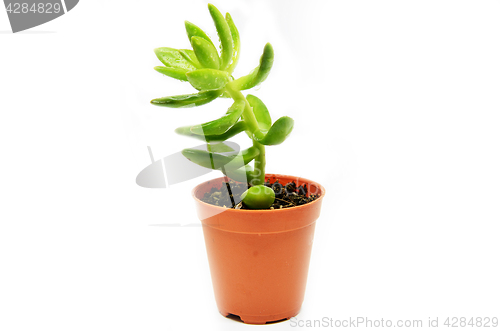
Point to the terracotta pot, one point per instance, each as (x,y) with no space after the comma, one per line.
(259,259)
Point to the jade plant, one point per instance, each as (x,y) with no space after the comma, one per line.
(210,72)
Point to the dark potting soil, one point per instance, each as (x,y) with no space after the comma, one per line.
(286,196)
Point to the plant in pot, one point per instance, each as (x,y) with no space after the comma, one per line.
(258,227)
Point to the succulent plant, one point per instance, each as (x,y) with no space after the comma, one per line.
(210,72)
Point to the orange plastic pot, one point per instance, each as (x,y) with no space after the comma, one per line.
(259,259)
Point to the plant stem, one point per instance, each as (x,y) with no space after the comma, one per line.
(248,115)
(259,165)
(249,118)
(209,149)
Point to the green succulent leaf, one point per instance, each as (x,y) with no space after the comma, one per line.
(187,100)
(242,158)
(233,131)
(217,161)
(205,53)
(259,74)
(208,79)
(258,197)
(206,159)
(260,111)
(223,124)
(194,31)
(220,148)
(236,43)
(278,132)
(176,73)
(190,56)
(171,57)
(224,33)
(242,175)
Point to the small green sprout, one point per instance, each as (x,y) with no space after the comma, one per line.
(210,72)
(258,197)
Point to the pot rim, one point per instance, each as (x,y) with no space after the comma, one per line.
(309,204)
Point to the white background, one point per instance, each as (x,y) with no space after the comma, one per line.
(396,105)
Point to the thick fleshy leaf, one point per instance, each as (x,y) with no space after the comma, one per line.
(242,175)
(176,73)
(260,111)
(223,124)
(233,131)
(278,132)
(194,31)
(258,197)
(189,55)
(206,159)
(208,79)
(219,161)
(187,100)
(224,33)
(220,148)
(242,158)
(205,53)
(259,74)
(235,35)
(171,57)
